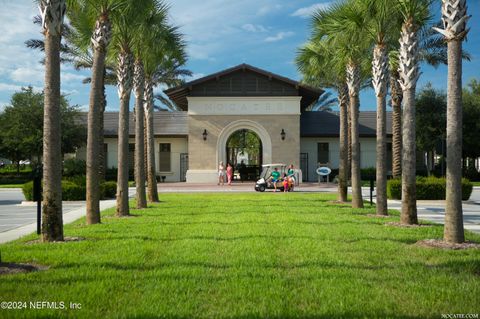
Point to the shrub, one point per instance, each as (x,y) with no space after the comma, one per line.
(368,173)
(428,188)
(111,174)
(108,189)
(74,167)
(72,191)
(27,190)
(15,178)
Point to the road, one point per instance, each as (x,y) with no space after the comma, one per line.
(13,214)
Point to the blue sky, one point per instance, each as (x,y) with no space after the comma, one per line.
(220,34)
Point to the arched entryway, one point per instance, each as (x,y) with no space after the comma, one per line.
(244,153)
(252,130)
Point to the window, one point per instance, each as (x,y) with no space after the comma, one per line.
(323,153)
(165,158)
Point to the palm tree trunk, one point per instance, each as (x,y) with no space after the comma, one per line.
(343,164)
(151,175)
(409,156)
(396,95)
(52,218)
(101,141)
(455,18)
(349,140)
(93,139)
(380,78)
(139,80)
(409,73)
(353,80)
(124,75)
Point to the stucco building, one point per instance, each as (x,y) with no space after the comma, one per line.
(190,143)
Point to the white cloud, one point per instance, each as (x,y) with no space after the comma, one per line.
(3,105)
(268,9)
(8,87)
(279,36)
(254,27)
(28,75)
(307,12)
(195,76)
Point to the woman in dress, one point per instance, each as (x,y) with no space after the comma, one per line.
(221,174)
(229,174)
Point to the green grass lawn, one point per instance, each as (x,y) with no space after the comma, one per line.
(11,186)
(476,183)
(246,256)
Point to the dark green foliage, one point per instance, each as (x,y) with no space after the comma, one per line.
(108,189)
(368,173)
(22,127)
(431,117)
(73,191)
(428,188)
(74,167)
(471,120)
(27,190)
(74,188)
(13,178)
(111,174)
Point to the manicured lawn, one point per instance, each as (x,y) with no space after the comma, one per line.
(246,256)
(11,186)
(476,183)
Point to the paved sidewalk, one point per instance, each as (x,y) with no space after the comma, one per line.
(434,210)
(74,211)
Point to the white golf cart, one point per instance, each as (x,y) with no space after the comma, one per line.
(265,181)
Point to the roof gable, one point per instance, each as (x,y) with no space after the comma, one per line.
(243,80)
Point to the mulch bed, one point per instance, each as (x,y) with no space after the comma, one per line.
(438,243)
(65,240)
(12,268)
(397,224)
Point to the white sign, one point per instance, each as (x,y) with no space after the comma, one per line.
(288,105)
(323,171)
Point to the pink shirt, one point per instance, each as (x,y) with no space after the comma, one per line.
(229,170)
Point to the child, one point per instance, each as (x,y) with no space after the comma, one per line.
(285,183)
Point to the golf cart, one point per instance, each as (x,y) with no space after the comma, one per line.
(265,181)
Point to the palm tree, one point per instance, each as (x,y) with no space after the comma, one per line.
(162,60)
(138,83)
(344,25)
(396,95)
(382,23)
(319,67)
(52,13)
(92,31)
(454,16)
(415,14)
(324,103)
(433,51)
(125,31)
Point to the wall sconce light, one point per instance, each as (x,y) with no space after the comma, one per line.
(283,134)
(204,134)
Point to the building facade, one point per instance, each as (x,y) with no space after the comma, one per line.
(217,109)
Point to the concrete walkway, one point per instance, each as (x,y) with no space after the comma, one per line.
(71,212)
(434,210)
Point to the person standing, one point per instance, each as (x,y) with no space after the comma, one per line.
(221,174)
(229,174)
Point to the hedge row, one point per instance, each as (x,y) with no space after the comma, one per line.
(428,188)
(74,191)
